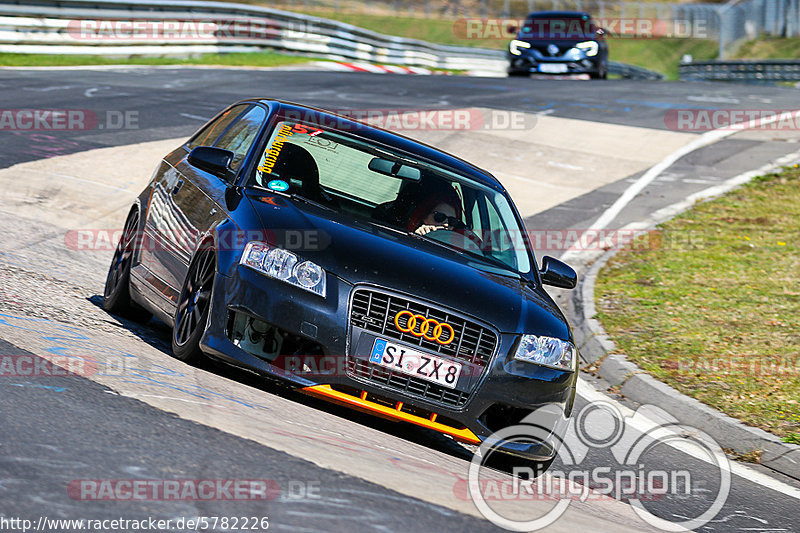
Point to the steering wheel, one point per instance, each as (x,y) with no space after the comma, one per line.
(462,229)
(471,235)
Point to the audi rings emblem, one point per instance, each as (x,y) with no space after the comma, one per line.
(427,328)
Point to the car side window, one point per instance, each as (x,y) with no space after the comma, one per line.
(240,137)
(211,132)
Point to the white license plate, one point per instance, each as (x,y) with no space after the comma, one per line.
(413,363)
(553,68)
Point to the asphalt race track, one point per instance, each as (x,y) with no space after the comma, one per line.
(337,470)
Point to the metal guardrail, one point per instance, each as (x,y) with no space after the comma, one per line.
(632,72)
(55,27)
(762,71)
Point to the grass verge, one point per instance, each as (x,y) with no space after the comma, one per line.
(769,48)
(714,311)
(251,59)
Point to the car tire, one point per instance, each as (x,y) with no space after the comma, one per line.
(602,72)
(116,293)
(194,305)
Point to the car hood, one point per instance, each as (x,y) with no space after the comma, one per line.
(360,252)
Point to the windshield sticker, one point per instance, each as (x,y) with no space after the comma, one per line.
(271,155)
(278,185)
(325,144)
(299,128)
(284,133)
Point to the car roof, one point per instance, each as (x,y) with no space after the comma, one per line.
(566,14)
(392,140)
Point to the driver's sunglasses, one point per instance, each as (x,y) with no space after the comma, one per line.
(440,217)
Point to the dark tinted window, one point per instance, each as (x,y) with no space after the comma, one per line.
(240,137)
(211,132)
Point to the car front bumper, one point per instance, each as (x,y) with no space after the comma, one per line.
(529,64)
(323,349)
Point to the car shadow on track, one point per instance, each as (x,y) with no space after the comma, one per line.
(157,334)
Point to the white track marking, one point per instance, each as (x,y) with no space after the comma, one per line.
(713,99)
(589,393)
(564,165)
(89,93)
(195,117)
(665,213)
(670,211)
(705,139)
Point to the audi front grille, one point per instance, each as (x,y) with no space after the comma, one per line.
(374,311)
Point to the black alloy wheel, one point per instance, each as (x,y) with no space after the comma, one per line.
(194,305)
(116,294)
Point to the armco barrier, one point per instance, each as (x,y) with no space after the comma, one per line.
(49,27)
(44,27)
(632,72)
(768,71)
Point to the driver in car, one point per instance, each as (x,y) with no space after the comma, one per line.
(441,210)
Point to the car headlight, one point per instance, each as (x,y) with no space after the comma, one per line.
(589,47)
(547,351)
(281,264)
(515,45)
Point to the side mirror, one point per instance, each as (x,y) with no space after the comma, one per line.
(213,160)
(512,29)
(557,273)
(600,32)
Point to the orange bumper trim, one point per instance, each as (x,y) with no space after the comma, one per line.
(327,393)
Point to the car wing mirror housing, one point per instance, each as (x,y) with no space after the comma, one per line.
(213,160)
(557,273)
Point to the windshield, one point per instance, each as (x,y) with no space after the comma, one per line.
(371,183)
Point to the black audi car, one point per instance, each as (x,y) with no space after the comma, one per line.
(558,42)
(355,264)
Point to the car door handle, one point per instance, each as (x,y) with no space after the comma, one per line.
(177,187)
